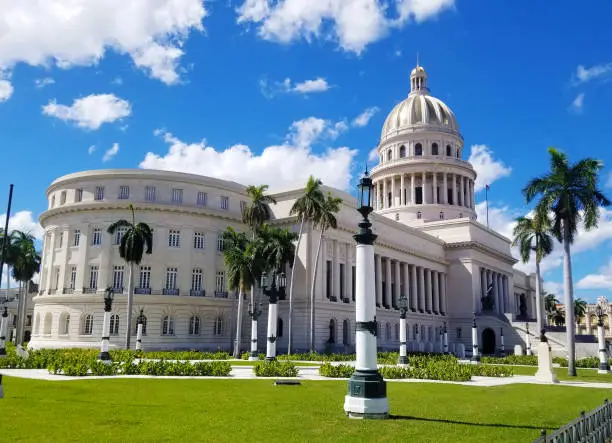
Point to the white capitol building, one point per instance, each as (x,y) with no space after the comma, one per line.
(430,247)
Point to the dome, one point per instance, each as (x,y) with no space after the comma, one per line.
(419,109)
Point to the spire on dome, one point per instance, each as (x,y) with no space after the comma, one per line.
(418,79)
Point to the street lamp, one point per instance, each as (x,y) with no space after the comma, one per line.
(3,330)
(139,327)
(109,294)
(475,354)
(527,340)
(367,391)
(403,307)
(604,367)
(273,286)
(445,339)
(254,313)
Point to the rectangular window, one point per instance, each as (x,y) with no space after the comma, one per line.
(177,196)
(198,240)
(202,199)
(96,237)
(171,278)
(220,282)
(93,277)
(144,281)
(63,197)
(76,238)
(341,280)
(119,233)
(220,242)
(353,282)
(225,203)
(57,275)
(60,241)
(78,195)
(328,278)
(174,238)
(99,195)
(53,201)
(118,278)
(196,280)
(150,193)
(73,272)
(124,192)
(459,333)
(418,195)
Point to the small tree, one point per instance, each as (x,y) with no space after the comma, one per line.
(26,263)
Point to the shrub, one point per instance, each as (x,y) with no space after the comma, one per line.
(491,371)
(336,371)
(275,369)
(527,360)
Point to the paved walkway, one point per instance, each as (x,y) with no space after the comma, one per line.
(305,373)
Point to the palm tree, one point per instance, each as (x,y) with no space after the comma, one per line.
(136,241)
(26,263)
(580,308)
(571,193)
(307,208)
(558,317)
(550,304)
(533,235)
(325,220)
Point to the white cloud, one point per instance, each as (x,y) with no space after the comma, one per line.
(373,155)
(364,118)
(269,90)
(554,287)
(609,180)
(279,166)
(354,24)
(309,86)
(70,33)
(23,221)
(91,149)
(117,81)
(488,169)
(584,75)
(577,103)
(6,90)
(92,111)
(111,152)
(42,82)
(600,280)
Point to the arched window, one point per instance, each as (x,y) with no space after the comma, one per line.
(114,324)
(448,151)
(434,149)
(194,325)
(64,324)
(402,151)
(346,332)
(279,327)
(389,155)
(143,319)
(88,324)
(441,215)
(418,149)
(388,331)
(218,329)
(397,331)
(48,321)
(167,325)
(419,215)
(332,331)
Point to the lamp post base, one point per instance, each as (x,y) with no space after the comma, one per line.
(475,359)
(104,357)
(270,358)
(253,356)
(367,396)
(402,360)
(604,368)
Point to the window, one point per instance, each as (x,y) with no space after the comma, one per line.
(60,241)
(419,215)
(57,274)
(396,331)
(99,195)
(177,196)
(415,331)
(418,149)
(458,153)
(328,278)
(202,199)
(171,278)
(346,332)
(402,151)
(88,324)
(220,241)
(389,155)
(448,151)
(63,197)
(353,282)
(168,325)
(93,277)
(434,149)
(332,331)
(220,281)
(96,237)
(459,335)
(118,278)
(143,320)
(194,325)
(78,195)
(76,237)
(198,240)
(441,215)
(114,324)
(218,326)
(174,238)
(53,201)
(144,280)
(225,203)
(150,193)
(124,192)
(341,277)
(119,233)
(279,327)
(388,332)
(196,279)
(243,206)
(65,324)
(73,273)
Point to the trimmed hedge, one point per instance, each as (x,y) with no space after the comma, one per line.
(275,368)
(528,360)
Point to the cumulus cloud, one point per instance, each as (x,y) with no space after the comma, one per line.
(584,75)
(271,89)
(286,165)
(110,153)
(577,103)
(92,111)
(354,24)
(488,169)
(23,221)
(70,33)
(599,280)
(42,82)
(364,118)
(6,90)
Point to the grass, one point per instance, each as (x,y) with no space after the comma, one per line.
(255,410)
(584,375)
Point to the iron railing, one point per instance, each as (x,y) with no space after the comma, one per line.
(592,427)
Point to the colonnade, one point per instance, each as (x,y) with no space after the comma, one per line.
(499,286)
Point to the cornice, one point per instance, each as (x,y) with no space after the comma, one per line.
(425,164)
(418,129)
(482,248)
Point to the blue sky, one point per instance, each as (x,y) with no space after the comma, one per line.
(203,87)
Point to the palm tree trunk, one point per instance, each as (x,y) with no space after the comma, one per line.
(130,302)
(238,341)
(569,302)
(539,309)
(291,286)
(312,296)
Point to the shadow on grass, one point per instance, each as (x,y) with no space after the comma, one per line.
(456,422)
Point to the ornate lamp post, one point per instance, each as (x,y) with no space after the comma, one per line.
(604,367)
(273,286)
(109,294)
(139,326)
(475,353)
(445,339)
(254,313)
(367,391)
(403,307)
(502,345)
(3,330)
(527,340)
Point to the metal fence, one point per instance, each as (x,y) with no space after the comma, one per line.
(593,427)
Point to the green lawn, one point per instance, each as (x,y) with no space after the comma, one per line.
(255,410)
(587,375)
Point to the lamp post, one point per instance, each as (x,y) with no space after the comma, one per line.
(527,340)
(445,339)
(604,367)
(109,294)
(254,313)
(367,391)
(3,330)
(273,286)
(403,307)
(502,345)
(475,354)
(139,327)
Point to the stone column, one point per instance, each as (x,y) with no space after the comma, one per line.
(443,298)
(428,291)
(348,273)
(412,188)
(336,271)
(378,274)
(421,289)
(381,195)
(414,292)
(445,193)
(454,179)
(393,196)
(435,188)
(385,194)
(436,293)
(396,294)
(51,252)
(376,196)
(407,283)
(472,194)
(402,190)
(424,187)
(483,289)
(388,294)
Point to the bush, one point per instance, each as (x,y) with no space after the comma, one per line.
(275,369)
(491,371)
(527,360)
(336,371)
